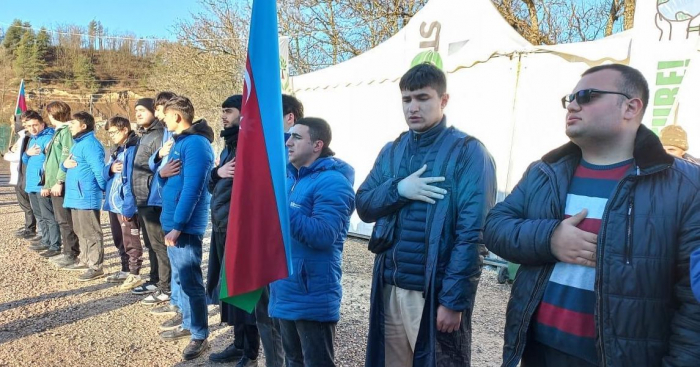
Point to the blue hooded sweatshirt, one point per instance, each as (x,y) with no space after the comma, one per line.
(321,200)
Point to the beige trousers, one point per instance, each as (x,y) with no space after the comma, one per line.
(403,310)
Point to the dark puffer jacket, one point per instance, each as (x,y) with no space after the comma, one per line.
(645,311)
(220,188)
(151,140)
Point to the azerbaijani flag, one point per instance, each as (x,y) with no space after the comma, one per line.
(21,100)
(257,240)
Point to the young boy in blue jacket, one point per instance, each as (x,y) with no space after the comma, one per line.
(85,187)
(121,203)
(184,219)
(33,158)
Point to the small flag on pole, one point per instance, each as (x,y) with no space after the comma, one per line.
(21,100)
(257,241)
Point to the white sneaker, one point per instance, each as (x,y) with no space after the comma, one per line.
(117,277)
(132,281)
(156,298)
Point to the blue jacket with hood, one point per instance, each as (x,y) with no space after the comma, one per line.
(35,164)
(119,197)
(321,200)
(85,184)
(186,207)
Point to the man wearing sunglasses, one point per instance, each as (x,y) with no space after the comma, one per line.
(603,227)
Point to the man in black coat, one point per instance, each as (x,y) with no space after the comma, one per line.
(603,228)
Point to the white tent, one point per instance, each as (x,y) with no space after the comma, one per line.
(503,90)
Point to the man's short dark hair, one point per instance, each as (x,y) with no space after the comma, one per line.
(292,105)
(85,119)
(319,130)
(234,101)
(163,97)
(119,122)
(59,110)
(31,115)
(182,105)
(632,82)
(424,75)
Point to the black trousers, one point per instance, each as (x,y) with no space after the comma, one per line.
(308,343)
(26,206)
(540,355)
(69,240)
(43,210)
(154,239)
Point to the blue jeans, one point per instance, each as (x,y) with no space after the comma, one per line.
(175,279)
(186,264)
(48,227)
(308,343)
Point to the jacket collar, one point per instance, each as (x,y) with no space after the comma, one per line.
(648,151)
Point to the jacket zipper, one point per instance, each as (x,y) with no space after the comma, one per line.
(630,224)
(541,280)
(398,240)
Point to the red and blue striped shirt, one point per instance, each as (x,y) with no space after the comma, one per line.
(565,317)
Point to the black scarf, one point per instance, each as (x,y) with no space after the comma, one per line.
(230,135)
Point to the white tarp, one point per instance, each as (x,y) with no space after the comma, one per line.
(503,90)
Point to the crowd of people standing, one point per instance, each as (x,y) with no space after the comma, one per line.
(606,229)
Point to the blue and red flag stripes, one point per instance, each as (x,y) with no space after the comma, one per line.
(258,237)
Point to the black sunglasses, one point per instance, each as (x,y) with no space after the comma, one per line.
(583,96)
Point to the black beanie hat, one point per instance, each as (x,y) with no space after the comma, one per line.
(235,101)
(147,103)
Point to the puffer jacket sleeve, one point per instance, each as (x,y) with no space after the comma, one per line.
(475,190)
(684,343)
(129,205)
(106,171)
(378,196)
(197,161)
(95,160)
(695,273)
(333,203)
(511,235)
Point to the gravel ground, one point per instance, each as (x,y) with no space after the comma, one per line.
(48,318)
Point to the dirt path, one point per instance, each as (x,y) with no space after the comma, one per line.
(48,318)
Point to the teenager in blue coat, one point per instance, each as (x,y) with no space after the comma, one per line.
(121,203)
(33,159)
(184,219)
(85,187)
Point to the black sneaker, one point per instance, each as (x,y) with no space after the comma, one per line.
(247,362)
(195,349)
(165,310)
(38,247)
(175,334)
(145,289)
(172,323)
(50,253)
(91,274)
(26,235)
(156,298)
(230,354)
(33,237)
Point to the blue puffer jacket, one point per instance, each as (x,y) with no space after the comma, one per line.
(155,195)
(404,265)
(186,203)
(119,197)
(321,200)
(645,313)
(34,164)
(85,184)
(695,273)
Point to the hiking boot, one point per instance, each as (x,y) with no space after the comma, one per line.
(165,310)
(63,261)
(38,247)
(195,349)
(33,237)
(25,234)
(131,281)
(247,362)
(230,354)
(156,298)
(173,323)
(175,334)
(118,277)
(50,253)
(147,288)
(91,274)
